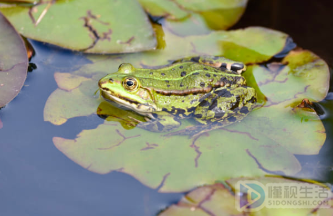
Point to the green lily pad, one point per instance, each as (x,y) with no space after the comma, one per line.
(263,143)
(164,8)
(218,199)
(200,16)
(13,62)
(91,26)
(75,102)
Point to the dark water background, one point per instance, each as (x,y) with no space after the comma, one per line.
(38,180)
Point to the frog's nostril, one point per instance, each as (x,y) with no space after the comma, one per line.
(111,80)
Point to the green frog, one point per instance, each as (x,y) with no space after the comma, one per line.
(209,89)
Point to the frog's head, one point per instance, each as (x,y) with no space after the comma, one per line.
(125,89)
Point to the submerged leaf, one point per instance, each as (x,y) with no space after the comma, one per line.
(13,62)
(85,25)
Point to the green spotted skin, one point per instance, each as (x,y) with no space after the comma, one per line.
(202,88)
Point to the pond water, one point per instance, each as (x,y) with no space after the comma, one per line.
(37,179)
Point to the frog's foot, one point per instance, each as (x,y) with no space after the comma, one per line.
(190,131)
(160,125)
(134,119)
(195,131)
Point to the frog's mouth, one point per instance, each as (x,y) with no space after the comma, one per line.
(143,109)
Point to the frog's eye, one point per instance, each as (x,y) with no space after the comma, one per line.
(130,84)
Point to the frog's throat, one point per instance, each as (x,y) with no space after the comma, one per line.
(131,104)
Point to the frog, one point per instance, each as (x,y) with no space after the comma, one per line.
(208,89)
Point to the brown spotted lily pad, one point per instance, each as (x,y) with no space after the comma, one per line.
(13,62)
(263,143)
(223,199)
(94,26)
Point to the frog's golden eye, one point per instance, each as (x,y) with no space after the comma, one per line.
(130,83)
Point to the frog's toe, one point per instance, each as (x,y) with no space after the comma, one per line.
(134,119)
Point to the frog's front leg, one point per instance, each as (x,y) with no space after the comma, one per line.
(217,62)
(162,122)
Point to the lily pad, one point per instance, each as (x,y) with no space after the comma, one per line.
(201,16)
(13,62)
(219,199)
(91,26)
(263,143)
(164,8)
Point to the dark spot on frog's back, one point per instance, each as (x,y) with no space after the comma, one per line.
(181,67)
(224,93)
(202,84)
(244,110)
(240,79)
(198,115)
(252,100)
(204,104)
(167,81)
(183,74)
(151,73)
(162,74)
(219,114)
(195,59)
(193,101)
(207,75)
(237,66)
(224,66)
(195,73)
(168,86)
(225,80)
(205,69)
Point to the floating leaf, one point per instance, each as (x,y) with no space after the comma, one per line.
(244,150)
(86,25)
(199,16)
(165,8)
(13,62)
(217,199)
(264,142)
(74,101)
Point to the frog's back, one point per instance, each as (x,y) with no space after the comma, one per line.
(186,77)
